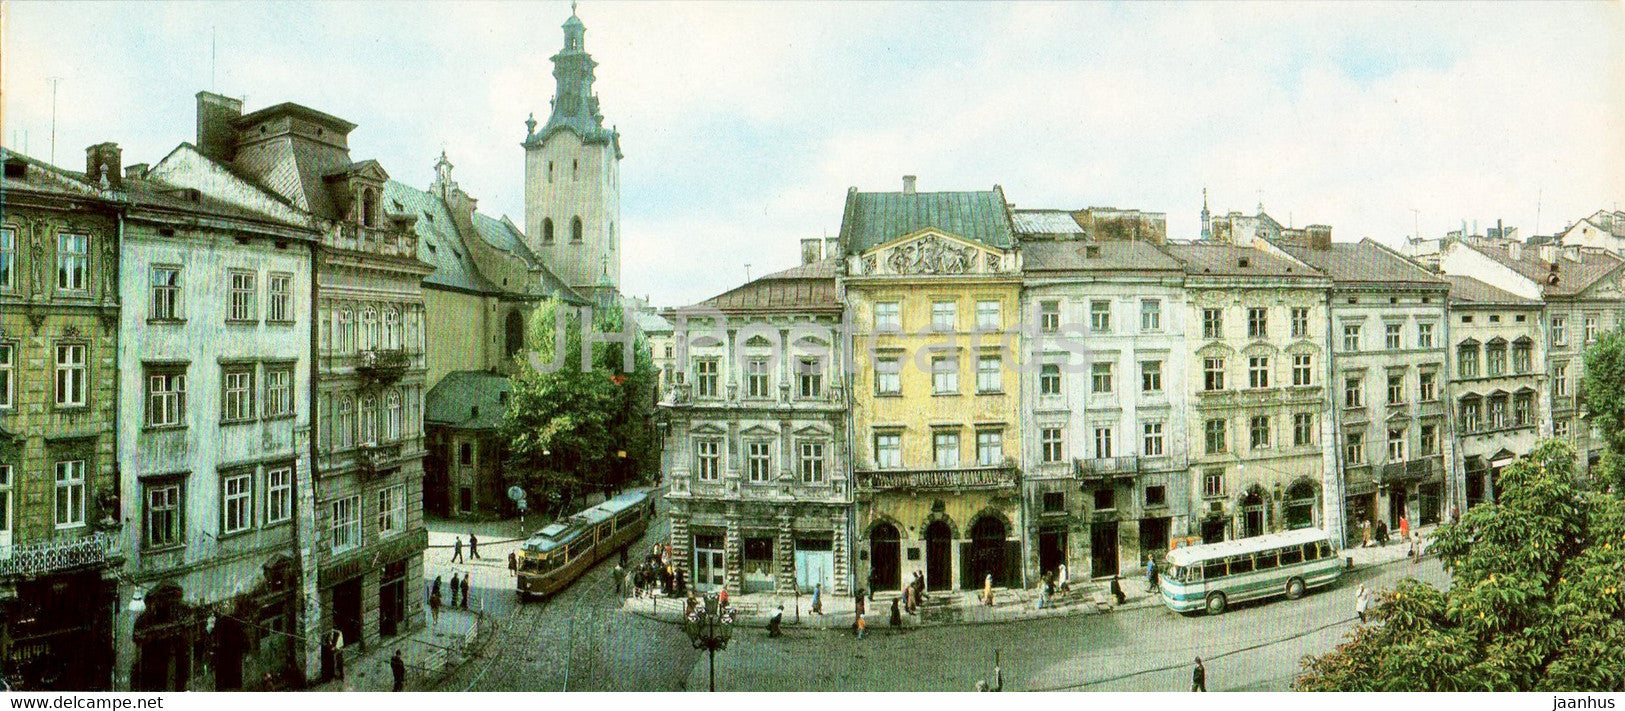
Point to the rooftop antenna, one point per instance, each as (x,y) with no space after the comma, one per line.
(54,81)
(1416,223)
(747,271)
(212,85)
(1538,196)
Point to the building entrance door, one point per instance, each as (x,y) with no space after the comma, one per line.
(884,560)
(987,553)
(347,611)
(392,599)
(710,567)
(1396,506)
(1154,537)
(938,556)
(1103,549)
(1051,549)
(1252,514)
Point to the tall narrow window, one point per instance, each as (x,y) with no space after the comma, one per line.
(166,397)
(369,420)
(945,376)
(1152,442)
(1217,436)
(1100,378)
(8,375)
(888,375)
(1050,443)
(1103,443)
(237,503)
(810,378)
(72,261)
(888,450)
(759,462)
(1351,337)
(70,375)
(278,392)
(989,374)
(237,394)
(163,515)
(1100,317)
(1150,315)
(575,230)
(547,223)
(1424,335)
(345,523)
(1391,336)
(391,510)
(1303,429)
(705,377)
(811,462)
(1212,374)
(1300,322)
(279,298)
(70,494)
(1258,371)
(945,448)
(1150,376)
(708,459)
(1049,379)
(242,306)
(756,378)
(165,302)
(1049,316)
(8,259)
(1212,323)
(1258,322)
(278,495)
(1303,372)
(989,447)
(393,416)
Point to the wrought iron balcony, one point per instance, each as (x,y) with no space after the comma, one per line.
(45,557)
(1411,470)
(383,365)
(373,459)
(967,478)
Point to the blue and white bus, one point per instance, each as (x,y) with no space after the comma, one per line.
(1211,576)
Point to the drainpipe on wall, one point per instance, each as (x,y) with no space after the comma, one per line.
(304,492)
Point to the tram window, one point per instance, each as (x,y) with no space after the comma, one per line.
(1310,552)
(1213,569)
(1266,560)
(1241,564)
(1291,556)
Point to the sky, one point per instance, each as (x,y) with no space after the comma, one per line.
(743,125)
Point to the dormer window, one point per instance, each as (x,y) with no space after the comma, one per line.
(369,207)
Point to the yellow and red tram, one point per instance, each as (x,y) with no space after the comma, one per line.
(559,553)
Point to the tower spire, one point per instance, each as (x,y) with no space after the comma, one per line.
(1207,220)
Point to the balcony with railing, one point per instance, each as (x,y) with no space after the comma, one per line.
(1410,470)
(373,459)
(956,479)
(384,366)
(46,557)
(1107,467)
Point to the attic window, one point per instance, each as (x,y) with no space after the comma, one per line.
(1092,251)
(16,168)
(428,216)
(1243,262)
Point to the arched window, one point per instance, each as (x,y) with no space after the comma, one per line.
(547,230)
(346,337)
(369,420)
(392,417)
(346,422)
(575,168)
(550,171)
(515,333)
(392,328)
(575,230)
(369,329)
(369,207)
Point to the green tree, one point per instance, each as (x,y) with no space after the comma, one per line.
(1536,602)
(1604,394)
(573,429)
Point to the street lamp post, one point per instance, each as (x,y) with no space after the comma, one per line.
(709,627)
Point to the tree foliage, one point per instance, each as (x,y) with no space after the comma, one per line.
(1603,390)
(565,430)
(1536,603)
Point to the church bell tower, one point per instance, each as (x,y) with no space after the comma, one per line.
(572,178)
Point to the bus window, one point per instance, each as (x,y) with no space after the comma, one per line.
(1325,549)
(1310,552)
(1241,564)
(1266,560)
(1213,569)
(1291,556)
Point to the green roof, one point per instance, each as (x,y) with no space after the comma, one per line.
(873,219)
(468,399)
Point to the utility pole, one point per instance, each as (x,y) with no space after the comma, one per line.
(54,81)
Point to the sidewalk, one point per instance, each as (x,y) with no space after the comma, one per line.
(964,607)
(430,654)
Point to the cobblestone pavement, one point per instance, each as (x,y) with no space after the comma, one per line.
(578,640)
(1253,647)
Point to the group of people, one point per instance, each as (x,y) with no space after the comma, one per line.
(473,548)
(657,571)
(459,594)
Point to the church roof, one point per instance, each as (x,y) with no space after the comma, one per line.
(873,219)
(468,399)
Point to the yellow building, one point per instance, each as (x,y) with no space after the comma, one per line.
(932,287)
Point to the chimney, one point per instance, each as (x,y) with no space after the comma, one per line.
(135,170)
(1515,251)
(215,136)
(1320,236)
(908,184)
(812,250)
(832,247)
(102,162)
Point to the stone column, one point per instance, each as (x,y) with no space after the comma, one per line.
(681,548)
(784,568)
(843,579)
(733,554)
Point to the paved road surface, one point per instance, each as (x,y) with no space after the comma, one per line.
(1253,647)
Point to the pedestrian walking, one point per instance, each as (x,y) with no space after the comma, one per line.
(473,546)
(335,640)
(1044,588)
(1062,582)
(862,627)
(435,588)
(619,576)
(457,551)
(682,582)
(1199,676)
(896,616)
(1365,534)
(987,590)
(1382,533)
(397,669)
(465,589)
(1117,591)
(435,602)
(1404,528)
(513,563)
(818,599)
(774,621)
(858,603)
(722,598)
(1150,574)
(1361,602)
(456,587)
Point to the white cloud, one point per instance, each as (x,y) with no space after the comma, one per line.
(744,124)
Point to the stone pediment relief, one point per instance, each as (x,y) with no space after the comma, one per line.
(812,430)
(707,428)
(759,430)
(931,254)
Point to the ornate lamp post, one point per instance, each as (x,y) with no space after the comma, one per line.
(709,626)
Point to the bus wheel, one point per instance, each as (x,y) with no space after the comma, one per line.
(1215,603)
(1294,588)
